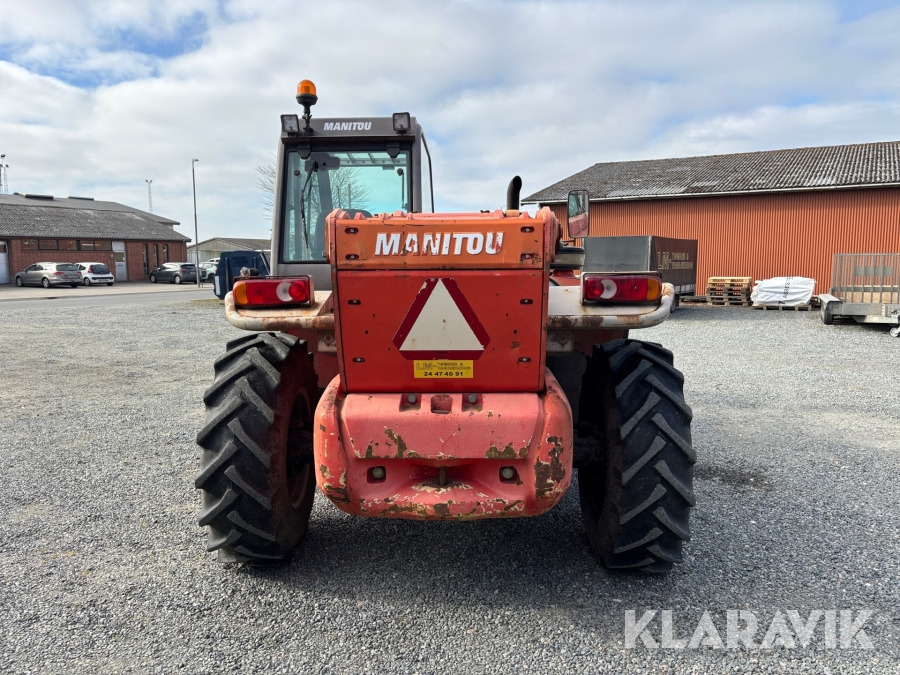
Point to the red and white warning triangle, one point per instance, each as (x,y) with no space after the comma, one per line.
(441,324)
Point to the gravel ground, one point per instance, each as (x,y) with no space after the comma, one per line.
(103,568)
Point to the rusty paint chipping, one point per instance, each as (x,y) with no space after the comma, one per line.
(434,488)
(508,452)
(402,450)
(548,475)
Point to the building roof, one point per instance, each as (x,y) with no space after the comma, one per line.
(79,218)
(830,167)
(227,244)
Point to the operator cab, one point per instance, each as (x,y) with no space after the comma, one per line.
(361,165)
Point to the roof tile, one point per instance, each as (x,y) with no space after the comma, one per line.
(29,216)
(839,166)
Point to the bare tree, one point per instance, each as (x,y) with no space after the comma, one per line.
(348,191)
(265,183)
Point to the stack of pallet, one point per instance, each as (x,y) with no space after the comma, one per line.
(729,291)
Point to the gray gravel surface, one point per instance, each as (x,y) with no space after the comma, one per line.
(103,568)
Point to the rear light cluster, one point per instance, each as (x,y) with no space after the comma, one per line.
(260,292)
(616,288)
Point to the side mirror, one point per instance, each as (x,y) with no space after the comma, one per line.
(577,218)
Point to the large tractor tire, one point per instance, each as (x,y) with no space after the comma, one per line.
(637,491)
(257,473)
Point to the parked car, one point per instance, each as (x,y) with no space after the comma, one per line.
(49,274)
(95,273)
(174,272)
(208,270)
(214,261)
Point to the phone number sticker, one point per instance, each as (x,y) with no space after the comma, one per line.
(443,369)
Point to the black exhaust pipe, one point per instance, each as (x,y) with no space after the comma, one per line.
(512,194)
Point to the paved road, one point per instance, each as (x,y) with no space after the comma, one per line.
(136,292)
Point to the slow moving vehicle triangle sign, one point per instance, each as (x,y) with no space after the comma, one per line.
(441,324)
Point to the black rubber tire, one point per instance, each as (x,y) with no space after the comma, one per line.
(176,279)
(257,473)
(45,282)
(152,278)
(827,318)
(637,494)
(109,284)
(19,282)
(86,281)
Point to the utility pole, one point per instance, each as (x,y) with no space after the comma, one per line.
(196,238)
(4,184)
(149,194)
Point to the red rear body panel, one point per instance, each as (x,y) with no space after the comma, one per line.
(442,407)
(443,458)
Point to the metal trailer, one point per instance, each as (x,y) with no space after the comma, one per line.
(865,287)
(675,260)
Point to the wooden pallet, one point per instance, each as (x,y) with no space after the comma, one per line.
(729,291)
(727,294)
(730,283)
(798,308)
(729,302)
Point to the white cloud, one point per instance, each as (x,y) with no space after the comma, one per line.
(540,89)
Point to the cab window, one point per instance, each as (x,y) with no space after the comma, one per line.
(357,181)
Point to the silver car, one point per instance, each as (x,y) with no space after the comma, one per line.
(49,274)
(208,271)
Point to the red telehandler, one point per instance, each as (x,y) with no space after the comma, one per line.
(435,366)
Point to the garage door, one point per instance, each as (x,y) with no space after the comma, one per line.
(4,263)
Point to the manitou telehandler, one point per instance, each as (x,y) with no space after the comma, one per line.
(435,366)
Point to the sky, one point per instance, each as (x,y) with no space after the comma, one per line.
(97,97)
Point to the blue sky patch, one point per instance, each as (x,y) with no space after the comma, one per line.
(188,36)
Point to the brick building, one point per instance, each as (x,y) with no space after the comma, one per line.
(755,214)
(35,228)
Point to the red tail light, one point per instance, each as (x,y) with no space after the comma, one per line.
(273,292)
(614,288)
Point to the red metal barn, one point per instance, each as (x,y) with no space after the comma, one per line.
(756,214)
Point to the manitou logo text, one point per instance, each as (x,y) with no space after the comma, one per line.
(829,628)
(347,126)
(438,243)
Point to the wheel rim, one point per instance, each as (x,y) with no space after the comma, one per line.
(45,283)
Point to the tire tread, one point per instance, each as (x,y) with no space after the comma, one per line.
(636,498)
(246,504)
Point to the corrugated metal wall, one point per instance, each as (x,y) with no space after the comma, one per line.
(762,236)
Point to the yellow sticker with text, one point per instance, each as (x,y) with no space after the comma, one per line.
(443,369)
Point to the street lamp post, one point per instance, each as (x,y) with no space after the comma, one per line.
(196,238)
